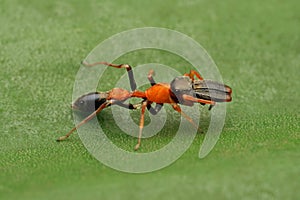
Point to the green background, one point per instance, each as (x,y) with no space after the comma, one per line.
(256,47)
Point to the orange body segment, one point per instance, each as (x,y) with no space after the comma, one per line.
(159,93)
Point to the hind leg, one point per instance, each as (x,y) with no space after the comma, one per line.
(127,67)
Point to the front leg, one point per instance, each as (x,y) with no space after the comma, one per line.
(178,109)
(192,74)
(189,98)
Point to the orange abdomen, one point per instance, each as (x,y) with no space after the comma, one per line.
(159,93)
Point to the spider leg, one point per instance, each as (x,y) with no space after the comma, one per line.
(150,77)
(144,105)
(192,74)
(88,118)
(156,109)
(193,99)
(178,109)
(129,106)
(126,66)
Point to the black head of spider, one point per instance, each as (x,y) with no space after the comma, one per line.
(181,85)
(90,102)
